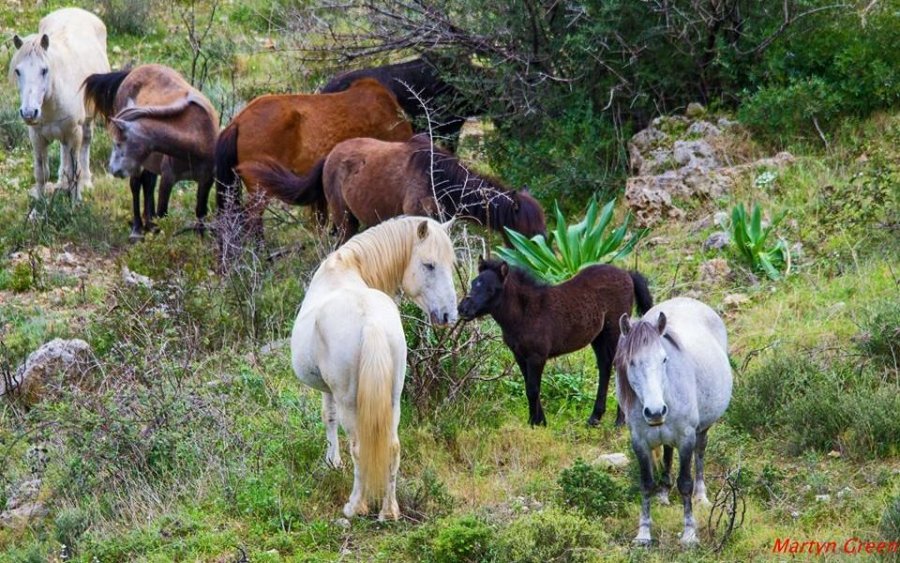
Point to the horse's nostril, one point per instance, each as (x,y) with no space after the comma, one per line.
(647,412)
(665,409)
(446,317)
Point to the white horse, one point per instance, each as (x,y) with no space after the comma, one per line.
(49,68)
(349,344)
(673,382)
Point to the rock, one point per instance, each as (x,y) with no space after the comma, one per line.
(23,493)
(703,129)
(695,154)
(342,523)
(716,241)
(846,491)
(613,460)
(823,498)
(56,360)
(19,517)
(834,454)
(725,123)
(735,300)
(275,346)
(720,218)
(695,110)
(135,279)
(714,271)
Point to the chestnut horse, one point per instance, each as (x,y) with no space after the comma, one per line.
(297,131)
(541,322)
(159,124)
(366,181)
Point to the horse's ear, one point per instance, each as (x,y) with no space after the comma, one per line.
(661,323)
(504,270)
(515,199)
(45,41)
(625,324)
(422,230)
(17,41)
(449,223)
(123,126)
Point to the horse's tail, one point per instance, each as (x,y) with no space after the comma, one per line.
(374,410)
(641,292)
(100,91)
(228,185)
(281,182)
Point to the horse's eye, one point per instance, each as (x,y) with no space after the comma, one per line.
(44,71)
(666,359)
(429,266)
(17,72)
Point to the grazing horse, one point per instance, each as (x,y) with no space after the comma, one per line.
(367,181)
(297,131)
(349,344)
(541,321)
(48,68)
(673,382)
(159,125)
(417,82)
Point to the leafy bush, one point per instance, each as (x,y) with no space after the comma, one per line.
(457,539)
(590,489)
(750,239)
(13,131)
(550,535)
(571,247)
(880,338)
(131,17)
(68,527)
(890,520)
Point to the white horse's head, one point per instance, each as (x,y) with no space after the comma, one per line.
(643,359)
(30,70)
(428,279)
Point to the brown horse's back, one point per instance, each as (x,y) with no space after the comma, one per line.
(299,130)
(352,169)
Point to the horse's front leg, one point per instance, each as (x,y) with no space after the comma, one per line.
(533,370)
(686,488)
(84,155)
(330,418)
(604,347)
(645,464)
(665,480)
(70,172)
(41,162)
(148,185)
(137,226)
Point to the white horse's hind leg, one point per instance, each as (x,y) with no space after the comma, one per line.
(389,507)
(41,162)
(357,503)
(699,483)
(84,155)
(330,418)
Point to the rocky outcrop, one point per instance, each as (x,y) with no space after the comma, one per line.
(678,159)
(55,361)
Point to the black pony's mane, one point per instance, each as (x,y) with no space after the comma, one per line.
(461,191)
(523,277)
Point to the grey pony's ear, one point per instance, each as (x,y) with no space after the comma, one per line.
(45,41)
(422,231)
(661,323)
(625,324)
(17,41)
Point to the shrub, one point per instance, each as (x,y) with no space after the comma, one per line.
(880,337)
(550,535)
(130,17)
(462,539)
(68,527)
(590,489)
(13,131)
(571,248)
(750,239)
(890,520)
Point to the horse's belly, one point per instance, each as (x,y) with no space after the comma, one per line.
(302,355)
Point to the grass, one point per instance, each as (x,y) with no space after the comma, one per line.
(190,443)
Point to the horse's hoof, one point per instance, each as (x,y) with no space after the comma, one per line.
(702,500)
(662,498)
(135,236)
(641,542)
(689,539)
(594,421)
(392,514)
(360,509)
(334,463)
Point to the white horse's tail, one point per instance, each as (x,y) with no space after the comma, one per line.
(374,411)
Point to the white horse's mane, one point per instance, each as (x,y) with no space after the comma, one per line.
(381,253)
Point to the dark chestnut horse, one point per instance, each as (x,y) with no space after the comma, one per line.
(449,108)
(159,124)
(297,131)
(541,321)
(366,181)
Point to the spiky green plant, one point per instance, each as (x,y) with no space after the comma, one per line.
(569,248)
(750,238)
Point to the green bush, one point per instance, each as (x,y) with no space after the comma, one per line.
(570,248)
(68,527)
(450,540)
(890,520)
(131,17)
(23,277)
(590,489)
(880,337)
(550,535)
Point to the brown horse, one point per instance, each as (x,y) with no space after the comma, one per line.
(159,124)
(366,181)
(541,322)
(297,131)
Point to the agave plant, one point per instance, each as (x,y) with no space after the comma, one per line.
(749,236)
(569,248)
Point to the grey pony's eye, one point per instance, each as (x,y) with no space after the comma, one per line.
(429,266)
(666,359)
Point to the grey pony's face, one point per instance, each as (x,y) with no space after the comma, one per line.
(647,372)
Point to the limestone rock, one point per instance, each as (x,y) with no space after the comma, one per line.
(57,359)
(716,241)
(714,271)
(735,300)
(612,460)
(695,110)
